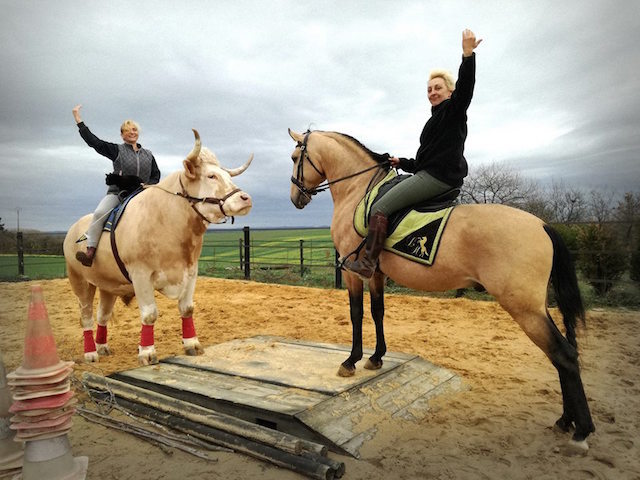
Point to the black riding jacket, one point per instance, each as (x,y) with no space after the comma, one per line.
(441,151)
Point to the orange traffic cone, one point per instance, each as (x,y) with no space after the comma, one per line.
(40,354)
(43,402)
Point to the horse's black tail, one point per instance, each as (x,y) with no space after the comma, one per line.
(565,285)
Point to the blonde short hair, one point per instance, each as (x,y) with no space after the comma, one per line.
(445,75)
(127,124)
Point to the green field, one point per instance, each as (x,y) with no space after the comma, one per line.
(275,256)
(35,267)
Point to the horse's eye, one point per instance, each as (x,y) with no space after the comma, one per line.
(213,176)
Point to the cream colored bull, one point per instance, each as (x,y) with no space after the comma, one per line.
(159,239)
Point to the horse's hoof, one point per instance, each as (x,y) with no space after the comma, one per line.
(573,448)
(103,349)
(579,445)
(346,371)
(90,357)
(563,426)
(193,351)
(373,365)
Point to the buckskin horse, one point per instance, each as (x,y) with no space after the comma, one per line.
(156,246)
(509,252)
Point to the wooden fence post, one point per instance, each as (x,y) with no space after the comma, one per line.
(247,254)
(240,250)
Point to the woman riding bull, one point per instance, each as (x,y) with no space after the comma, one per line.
(439,165)
(132,166)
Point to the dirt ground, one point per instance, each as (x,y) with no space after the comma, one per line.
(499,428)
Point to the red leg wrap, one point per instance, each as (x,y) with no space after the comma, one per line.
(146,336)
(89,344)
(188,330)
(101,334)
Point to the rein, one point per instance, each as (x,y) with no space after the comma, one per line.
(298,180)
(194,201)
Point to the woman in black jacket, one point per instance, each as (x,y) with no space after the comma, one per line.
(439,164)
(130,162)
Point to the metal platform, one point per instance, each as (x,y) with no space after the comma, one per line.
(292,386)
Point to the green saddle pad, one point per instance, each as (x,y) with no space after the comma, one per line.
(416,236)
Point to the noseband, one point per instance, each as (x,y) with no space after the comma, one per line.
(196,200)
(298,180)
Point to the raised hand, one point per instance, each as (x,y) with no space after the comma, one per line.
(469,42)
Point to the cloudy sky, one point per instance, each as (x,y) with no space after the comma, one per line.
(557,90)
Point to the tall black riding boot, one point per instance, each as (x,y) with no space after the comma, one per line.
(366,266)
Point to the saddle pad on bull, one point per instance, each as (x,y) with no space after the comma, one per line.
(114,216)
(415,237)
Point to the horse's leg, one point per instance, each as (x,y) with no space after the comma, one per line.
(185,305)
(105,310)
(541,329)
(148,316)
(376,290)
(85,292)
(356,310)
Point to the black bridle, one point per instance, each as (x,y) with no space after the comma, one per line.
(197,200)
(298,180)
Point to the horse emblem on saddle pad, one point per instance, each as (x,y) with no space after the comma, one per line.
(412,233)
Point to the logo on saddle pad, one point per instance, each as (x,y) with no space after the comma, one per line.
(411,233)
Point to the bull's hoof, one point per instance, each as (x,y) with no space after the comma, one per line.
(147,355)
(192,346)
(90,357)
(103,349)
(373,364)
(194,351)
(147,360)
(345,371)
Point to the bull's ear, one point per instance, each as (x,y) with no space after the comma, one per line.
(189,169)
(296,136)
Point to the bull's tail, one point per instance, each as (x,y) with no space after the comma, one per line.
(565,285)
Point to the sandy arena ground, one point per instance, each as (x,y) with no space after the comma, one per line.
(500,428)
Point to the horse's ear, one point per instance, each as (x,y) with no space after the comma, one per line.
(296,136)
(189,169)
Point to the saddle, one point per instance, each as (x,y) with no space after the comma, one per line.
(111,224)
(413,232)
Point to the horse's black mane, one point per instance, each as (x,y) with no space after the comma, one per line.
(378,157)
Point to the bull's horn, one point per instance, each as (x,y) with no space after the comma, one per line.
(237,171)
(193,155)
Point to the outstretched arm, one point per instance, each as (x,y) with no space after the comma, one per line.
(107,149)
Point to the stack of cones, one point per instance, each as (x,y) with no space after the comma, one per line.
(44,402)
(10,451)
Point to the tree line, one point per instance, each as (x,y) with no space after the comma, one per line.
(602,228)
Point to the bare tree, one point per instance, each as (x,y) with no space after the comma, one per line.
(600,205)
(567,204)
(497,183)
